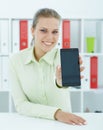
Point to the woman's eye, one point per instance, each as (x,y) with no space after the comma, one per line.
(55,32)
(43,30)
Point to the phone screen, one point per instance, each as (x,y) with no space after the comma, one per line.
(70,67)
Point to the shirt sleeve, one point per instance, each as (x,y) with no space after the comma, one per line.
(22,103)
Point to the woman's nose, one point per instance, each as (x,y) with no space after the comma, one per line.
(50,36)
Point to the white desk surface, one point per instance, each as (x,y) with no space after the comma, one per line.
(14,121)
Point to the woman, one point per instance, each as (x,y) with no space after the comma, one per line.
(36,73)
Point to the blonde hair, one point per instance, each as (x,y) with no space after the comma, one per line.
(47,13)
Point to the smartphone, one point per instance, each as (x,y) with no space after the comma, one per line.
(70,67)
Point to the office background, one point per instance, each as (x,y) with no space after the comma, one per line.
(21,9)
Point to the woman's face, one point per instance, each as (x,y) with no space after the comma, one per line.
(46,34)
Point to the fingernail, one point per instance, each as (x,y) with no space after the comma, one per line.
(58,66)
(85,123)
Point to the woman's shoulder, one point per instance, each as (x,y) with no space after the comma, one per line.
(21,54)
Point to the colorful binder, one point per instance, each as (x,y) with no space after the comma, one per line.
(23,34)
(90,44)
(93,72)
(66,34)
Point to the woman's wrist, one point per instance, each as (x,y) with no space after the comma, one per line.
(56,114)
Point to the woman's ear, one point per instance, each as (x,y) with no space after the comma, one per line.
(32,31)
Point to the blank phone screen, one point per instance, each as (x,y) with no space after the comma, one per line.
(70,67)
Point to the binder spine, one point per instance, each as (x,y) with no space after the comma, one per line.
(29,32)
(15,36)
(23,34)
(0,74)
(66,34)
(93,72)
(4,37)
(85,82)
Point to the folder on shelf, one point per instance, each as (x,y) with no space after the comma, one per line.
(85,82)
(4,37)
(0,73)
(93,72)
(5,76)
(21,40)
(90,41)
(23,34)
(59,44)
(29,32)
(65,34)
(15,36)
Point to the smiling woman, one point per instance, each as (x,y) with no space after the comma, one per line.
(33,72)
(46,35)
(45,31)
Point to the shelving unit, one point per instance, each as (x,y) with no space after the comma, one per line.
(84,99)
(89,100)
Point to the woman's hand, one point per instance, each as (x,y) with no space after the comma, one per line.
(59,75)
(69,118)
(81,67)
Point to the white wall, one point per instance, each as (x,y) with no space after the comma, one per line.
(72,8)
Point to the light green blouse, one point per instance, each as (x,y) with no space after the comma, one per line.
(33,84)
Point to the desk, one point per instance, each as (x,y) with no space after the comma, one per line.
(14,121)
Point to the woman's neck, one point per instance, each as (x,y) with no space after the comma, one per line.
(38,54)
